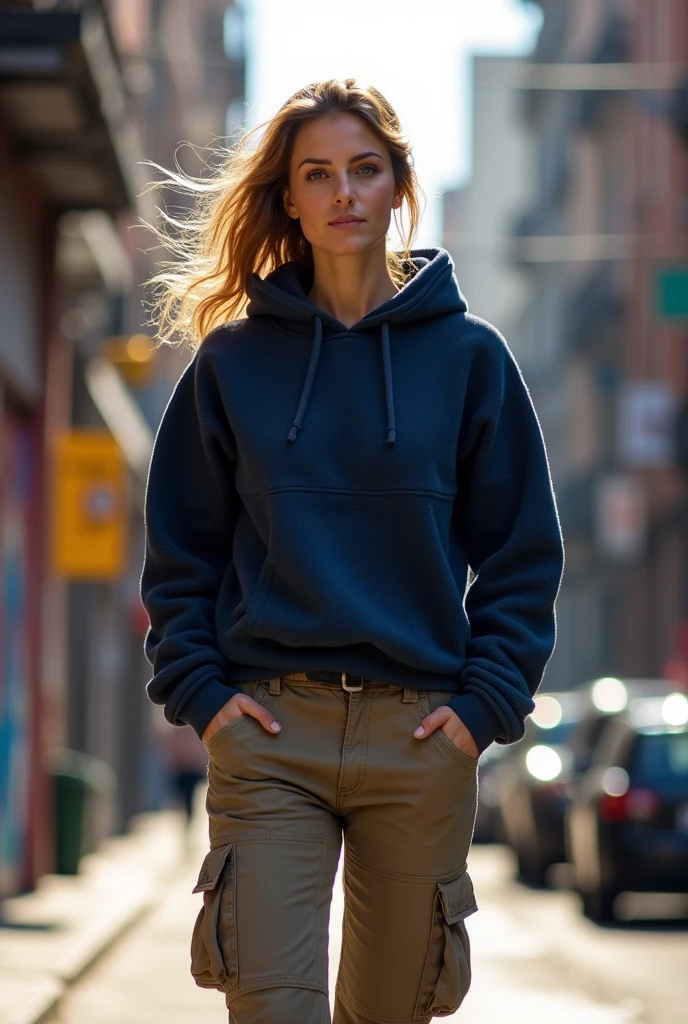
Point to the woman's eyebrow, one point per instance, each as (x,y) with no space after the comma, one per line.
(322,160)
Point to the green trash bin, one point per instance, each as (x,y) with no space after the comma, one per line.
(78,780)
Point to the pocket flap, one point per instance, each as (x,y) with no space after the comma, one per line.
(212,866)
(458,898)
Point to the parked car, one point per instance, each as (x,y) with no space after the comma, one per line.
(626,827)
(605,698)
(534,787)
(532,784)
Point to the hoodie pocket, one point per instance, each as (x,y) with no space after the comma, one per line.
(447,973)
(213,942)
(344,567)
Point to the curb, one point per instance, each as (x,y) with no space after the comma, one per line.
(55,924)
(31,1001)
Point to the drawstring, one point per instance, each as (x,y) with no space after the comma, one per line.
(387,367)
(308,383)
(310,376)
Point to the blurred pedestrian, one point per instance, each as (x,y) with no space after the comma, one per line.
(327,469)
(186,759)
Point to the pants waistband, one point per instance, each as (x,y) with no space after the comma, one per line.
(347,681)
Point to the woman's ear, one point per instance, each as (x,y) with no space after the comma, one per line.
(289,204)
(398,199)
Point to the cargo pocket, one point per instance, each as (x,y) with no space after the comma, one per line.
(447,973)
(213,942)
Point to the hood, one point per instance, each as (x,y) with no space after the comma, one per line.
(430,290)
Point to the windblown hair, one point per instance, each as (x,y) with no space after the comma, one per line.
(237,224)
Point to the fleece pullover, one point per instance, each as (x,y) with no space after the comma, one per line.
(317,493)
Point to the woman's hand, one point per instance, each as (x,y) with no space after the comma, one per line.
(238,705)
(452,727)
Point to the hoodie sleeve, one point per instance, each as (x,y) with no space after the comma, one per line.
(507,518)
(189,516)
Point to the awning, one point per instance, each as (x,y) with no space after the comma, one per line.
(64,99)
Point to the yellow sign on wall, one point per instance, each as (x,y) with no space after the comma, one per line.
(90,506)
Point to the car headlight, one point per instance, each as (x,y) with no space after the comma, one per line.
(675,709)
(543,762)
(609,695)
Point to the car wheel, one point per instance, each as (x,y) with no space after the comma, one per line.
(598,905)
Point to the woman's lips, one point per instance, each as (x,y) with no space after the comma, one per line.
(346,223)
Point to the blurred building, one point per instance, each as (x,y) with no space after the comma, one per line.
(68,149)
(88,90)
(604,237)
(477,218)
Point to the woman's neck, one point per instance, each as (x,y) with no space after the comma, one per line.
(348,287)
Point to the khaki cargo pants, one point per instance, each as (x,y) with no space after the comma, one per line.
(278,804)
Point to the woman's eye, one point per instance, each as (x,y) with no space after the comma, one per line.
(367,170)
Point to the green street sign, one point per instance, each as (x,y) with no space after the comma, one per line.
(671,293)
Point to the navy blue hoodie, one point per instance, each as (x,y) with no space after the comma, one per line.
(317,493)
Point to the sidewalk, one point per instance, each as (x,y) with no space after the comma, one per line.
(534,958)
(49,937)
(145,979)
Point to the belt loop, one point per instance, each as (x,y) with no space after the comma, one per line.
(275,686)
(410,696)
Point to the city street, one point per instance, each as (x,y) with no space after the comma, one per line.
(535,959)
(306,369)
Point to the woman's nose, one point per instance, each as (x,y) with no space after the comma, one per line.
(344,194)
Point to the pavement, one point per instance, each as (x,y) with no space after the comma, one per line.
(50,936)
(535,958)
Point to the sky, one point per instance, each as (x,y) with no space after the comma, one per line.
(416,52)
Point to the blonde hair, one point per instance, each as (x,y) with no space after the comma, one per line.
(237,224)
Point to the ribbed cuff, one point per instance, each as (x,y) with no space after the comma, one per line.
(204,704)
(478,717)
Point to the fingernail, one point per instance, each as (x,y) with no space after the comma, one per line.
(420,731)
(275,726)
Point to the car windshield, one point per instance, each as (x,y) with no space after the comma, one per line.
(660,762)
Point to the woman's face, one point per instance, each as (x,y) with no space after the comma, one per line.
(341,185)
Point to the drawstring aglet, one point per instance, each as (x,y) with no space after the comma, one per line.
(391,437)
(291,436)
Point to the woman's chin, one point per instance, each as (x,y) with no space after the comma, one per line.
(347,245)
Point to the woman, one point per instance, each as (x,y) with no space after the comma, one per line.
(326,470)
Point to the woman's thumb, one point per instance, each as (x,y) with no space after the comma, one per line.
(431,722)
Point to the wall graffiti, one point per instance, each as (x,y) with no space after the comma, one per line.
(15,682)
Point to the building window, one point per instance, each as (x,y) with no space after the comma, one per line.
(234,34)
